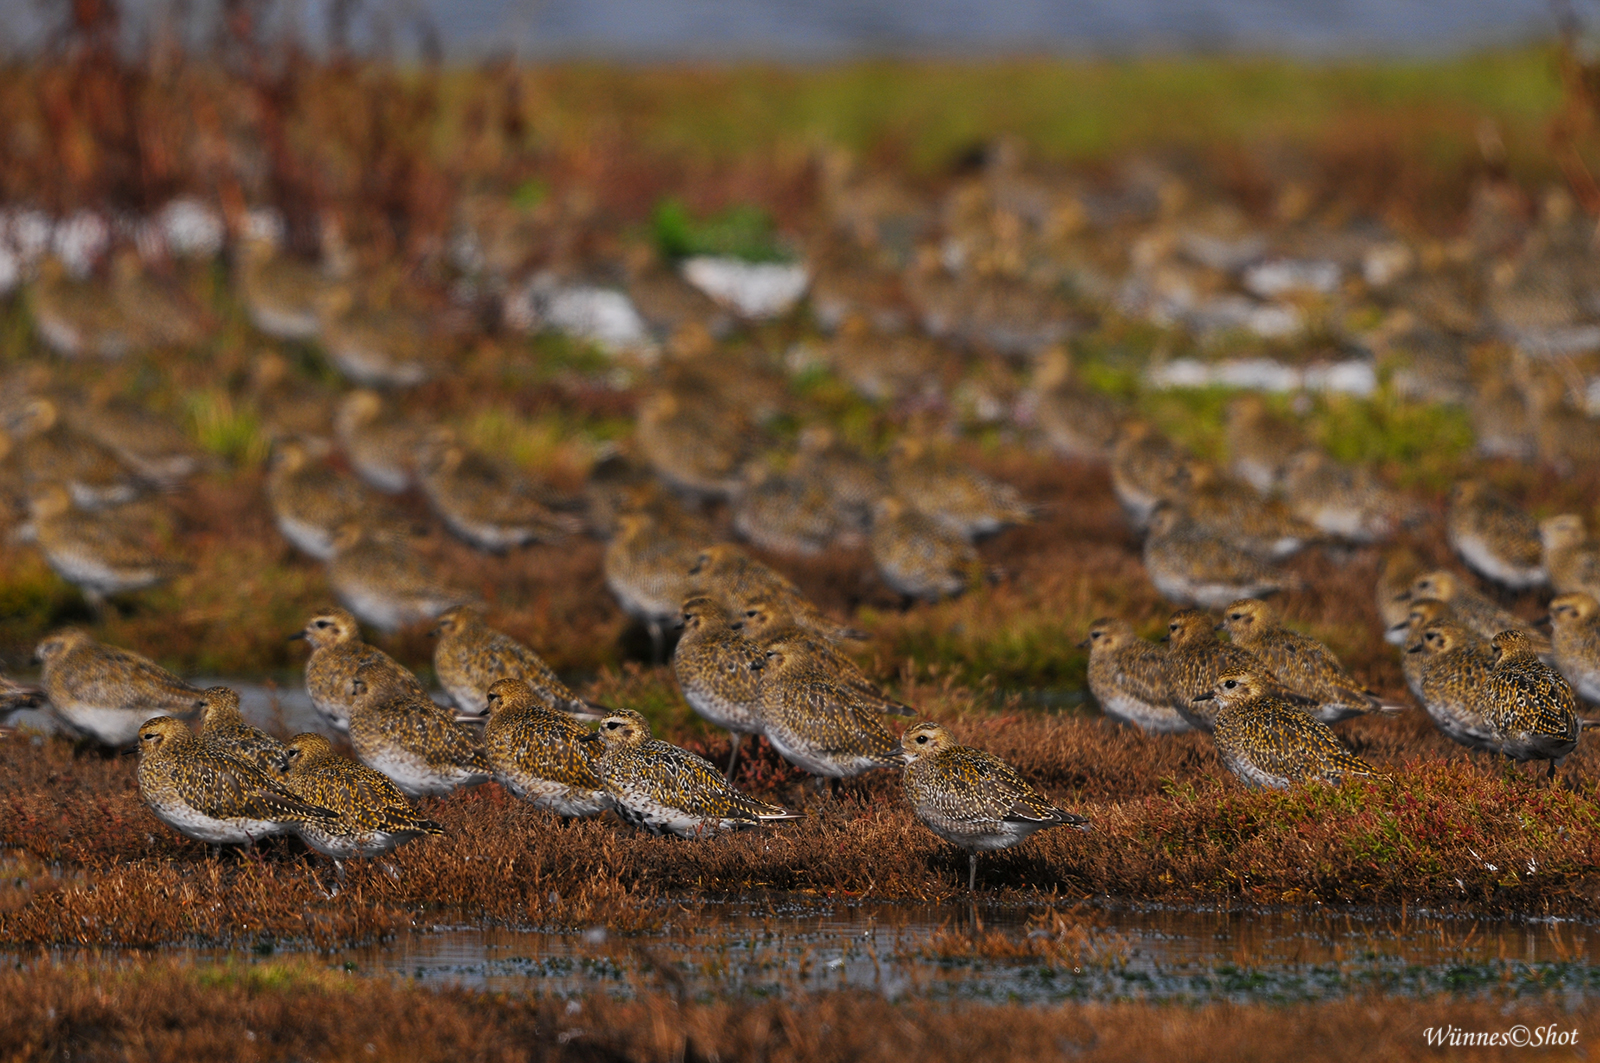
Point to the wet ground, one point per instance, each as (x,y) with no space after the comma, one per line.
(782,946)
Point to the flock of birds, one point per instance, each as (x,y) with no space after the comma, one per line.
(713,433)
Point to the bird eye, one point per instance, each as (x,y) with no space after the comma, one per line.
(922,740)
(1230,684)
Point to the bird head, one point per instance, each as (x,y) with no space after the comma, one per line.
(1233,688)
(622,729)
(1247,617)
(924,740)
(1189,627)
(1566,530)
(1573,609)
(162,733)
(59,643)
(330,627)
(304,751)
(1107,633)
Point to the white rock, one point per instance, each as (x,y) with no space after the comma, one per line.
(1557,342)
(1256,374)
(602,316)
(1282,276)
(10,270)
(1351,377)
(750,289)
(1228,256)
(265,224)
(28,233)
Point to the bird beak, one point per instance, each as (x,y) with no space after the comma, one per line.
(297,636)
(1165,638)
(1401,626)
(1218,626)
(592,736)
(1545,619)
(1414,649)
(1083,645)
(1207,696)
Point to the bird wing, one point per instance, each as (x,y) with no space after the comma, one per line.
(682,780)
(144,685)
(225,788)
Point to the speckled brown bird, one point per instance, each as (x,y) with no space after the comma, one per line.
(787,515)
(1575,625)
(959,497)
(1345,501)
(380,444)
(1474,608)
(1147,469)
(105,693)
(916,555)
(211,797)
(767,621)
(1571,558)
(668,790)
(1128,678)
(1405,634)
(853,481)
(726,573)
(46,451)
(470,655)
(1451,666)
(311,500)
(719,672)
(485,503)
(648,565)
(693,442)
(1268,742)
(1300,663)
(15,696)
(1196,660)
(100,553)
(819,723)
(971,798)
(540,753)
(374,817)
(1259,442)
(1528,704)
(1075,421)
(223,730)
(1495,537)
(1189,565)
(418,744)
(1233,513)
(381,579)
(337,653)
(1398,569)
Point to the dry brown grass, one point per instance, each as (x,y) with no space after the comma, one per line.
(159,1010)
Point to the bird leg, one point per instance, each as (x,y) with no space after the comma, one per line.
(658,642)
(733,758)
(972,871)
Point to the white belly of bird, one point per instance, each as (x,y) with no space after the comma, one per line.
(722,712)
(412,773)
(1154,719)
(345,846)
(485,535)
(1252,775)
(311,538)
(555,797)
(85,570)
(467,697)
(980,835)
(382,611)
(108,726)
(1476,553)
(843,767)
(192,823)
(660,818)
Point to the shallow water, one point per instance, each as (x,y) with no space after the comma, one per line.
(780,946)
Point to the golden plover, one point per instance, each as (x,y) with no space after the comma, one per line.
(647,568)
(373,816)
(1300,663)
(767,621)
(1146,469)
(1128,678)
(1235,514)
(1259,442)
(916,555)
(337,653)
(14,696)
(669,790)
(223,730)
(1447,665)
(105,693)
(1496,538)
(819,723)
(1571,558)
(962,499)
(1575,622)
(153,447)
(1344,500)
(1075,421)
(1474,608)
(1269,742)
(973,799)
(211,797)
(99,553)
(375,347)
(46,451)
(415,742)
(853,482)
(311,500)
(719,672)
(1196,659)
(381,445)
(1189,565)
(698,446)
(540,753)
(1528,704)
(1424,611)
(470,655)
(786,515)
(484,503)
(383,580)
(731,576)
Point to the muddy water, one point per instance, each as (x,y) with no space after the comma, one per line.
(777,946)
